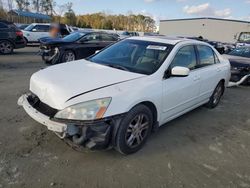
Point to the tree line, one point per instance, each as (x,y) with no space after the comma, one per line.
(65,14)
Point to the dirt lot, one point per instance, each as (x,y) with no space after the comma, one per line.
(204,148)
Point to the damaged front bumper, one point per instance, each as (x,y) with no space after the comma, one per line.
(49,55)
(39,117)
(97,134)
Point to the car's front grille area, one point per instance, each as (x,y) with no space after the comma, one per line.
(41,107)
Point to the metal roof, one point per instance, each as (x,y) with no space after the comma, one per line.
(206,18)
(31,14)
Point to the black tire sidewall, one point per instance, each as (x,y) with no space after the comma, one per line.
(211,103)
(121,144)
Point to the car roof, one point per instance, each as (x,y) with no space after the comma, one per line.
(6,22)
(40,23)
(162,39)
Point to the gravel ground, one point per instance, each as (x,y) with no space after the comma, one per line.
(204,148)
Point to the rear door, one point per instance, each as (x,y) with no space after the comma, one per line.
(181,93)
(210,70)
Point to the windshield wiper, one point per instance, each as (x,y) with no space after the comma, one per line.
(118,67)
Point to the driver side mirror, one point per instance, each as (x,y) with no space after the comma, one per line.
(180,71)
(34,30)
(177,72)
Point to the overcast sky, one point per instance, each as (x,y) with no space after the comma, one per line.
(167,9)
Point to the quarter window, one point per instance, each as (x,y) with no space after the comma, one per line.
(185,57)
(206,55)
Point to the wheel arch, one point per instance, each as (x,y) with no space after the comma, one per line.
(154,111)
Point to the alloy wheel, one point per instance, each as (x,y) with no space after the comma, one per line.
(137,130)
(217,95)
(69,56)
(6,47)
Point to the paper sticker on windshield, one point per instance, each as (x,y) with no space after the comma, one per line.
(154,47)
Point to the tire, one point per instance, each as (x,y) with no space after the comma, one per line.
(26,40)
(68,56)
(6,47)
(215,98)
(134,130)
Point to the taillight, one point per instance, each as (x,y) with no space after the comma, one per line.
(19,33)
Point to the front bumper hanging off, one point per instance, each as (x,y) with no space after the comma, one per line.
(98,134)
(49,55)
(39,117)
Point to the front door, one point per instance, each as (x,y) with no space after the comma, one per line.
(89,44)
(181,93)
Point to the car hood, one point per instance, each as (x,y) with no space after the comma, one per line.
(52,41)
(57,84)
(236,61)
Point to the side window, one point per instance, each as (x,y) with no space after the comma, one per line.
(185,57)
(206,55)
(42,28)
(3,26)
(107,37)
(91,38)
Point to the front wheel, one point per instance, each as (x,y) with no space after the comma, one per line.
(68,56)
(217,94)
(134,130)
(6,47)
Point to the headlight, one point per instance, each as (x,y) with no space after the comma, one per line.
(90,110)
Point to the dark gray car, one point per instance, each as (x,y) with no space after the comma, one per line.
(10,37)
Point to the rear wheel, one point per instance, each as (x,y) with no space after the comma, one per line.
(217,94)
(68,56)
(134,130)
(6,47)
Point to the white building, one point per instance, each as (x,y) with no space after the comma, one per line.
(215,29)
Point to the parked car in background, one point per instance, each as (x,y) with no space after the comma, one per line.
(240,63)
(118,96)
(243,39)
(217,45)
(77,45)
(22,26)
(10,37)
(127,34)
(36,31)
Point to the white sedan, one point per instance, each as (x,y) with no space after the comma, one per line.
(119,95)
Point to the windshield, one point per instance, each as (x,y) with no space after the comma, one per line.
(142,57)
(73,37)
(242,51)
(244,37)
